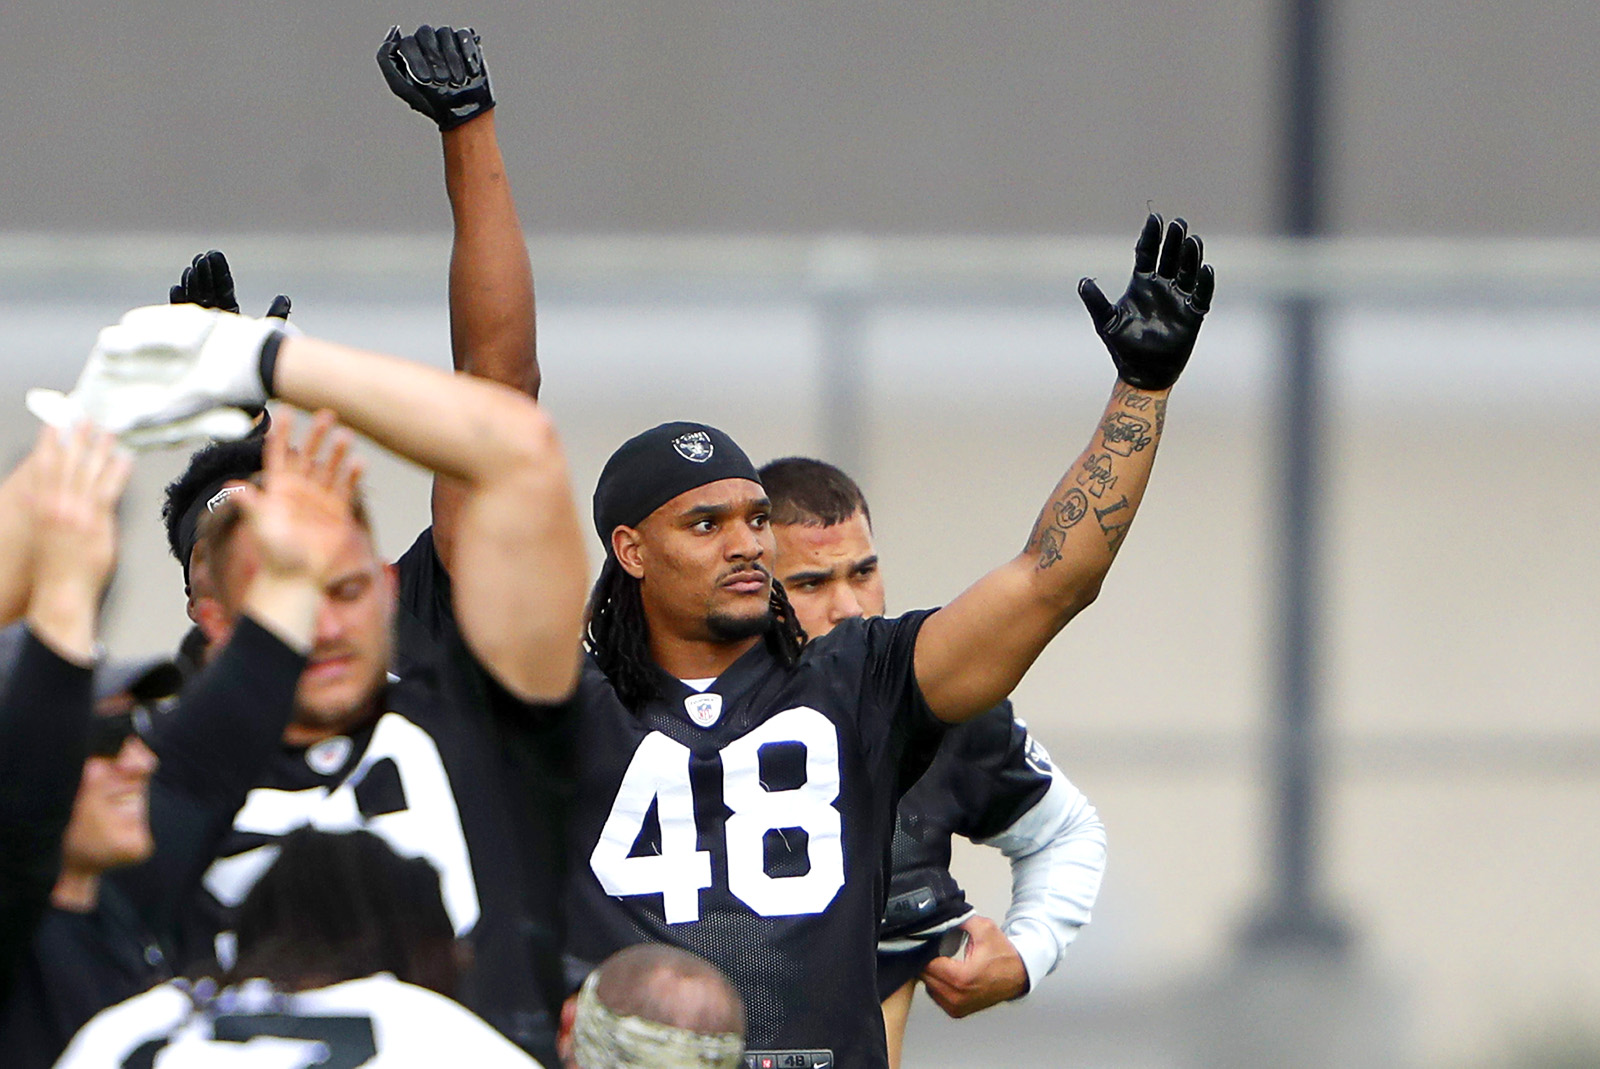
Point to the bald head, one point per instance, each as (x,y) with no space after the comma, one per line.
(656,1006)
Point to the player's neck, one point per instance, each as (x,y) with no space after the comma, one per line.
(77,889)
(690,658)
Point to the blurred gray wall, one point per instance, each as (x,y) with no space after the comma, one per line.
(728,115)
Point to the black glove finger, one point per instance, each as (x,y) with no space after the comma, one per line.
(1100,309)
(428,42)
(1167,268)
(199,280)
(414,64)
(1148,245)
(1189,264)
(1201,301)
(177,294)
(471,51)
(219,281)
(389,56)
(279,308)
(450,49)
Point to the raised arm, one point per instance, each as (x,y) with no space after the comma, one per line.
(66,500)
(228,725)
(519,571)
(974,651)
(441,74)
(519,580)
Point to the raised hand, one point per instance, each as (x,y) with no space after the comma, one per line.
(170,371)
(990,972)
(208,282)
(1152,328)
(75,481)
(301,515)
(439,72)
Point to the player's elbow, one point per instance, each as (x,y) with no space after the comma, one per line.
(1076,593)
(531,448)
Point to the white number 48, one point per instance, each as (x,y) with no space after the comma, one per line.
(659,772)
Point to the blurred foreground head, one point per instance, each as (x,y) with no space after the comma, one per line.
(338,907)
(654,1007)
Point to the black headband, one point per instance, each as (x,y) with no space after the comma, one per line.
(652,468)
(244,468)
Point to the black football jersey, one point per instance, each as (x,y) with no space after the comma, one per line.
(431,777)
(987,773)
(751,823)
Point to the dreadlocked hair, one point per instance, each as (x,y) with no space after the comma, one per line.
(618,637)
(787,636)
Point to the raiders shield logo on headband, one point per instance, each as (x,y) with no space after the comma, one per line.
(703,709)
(695,446)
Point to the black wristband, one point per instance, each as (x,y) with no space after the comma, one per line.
(269,361)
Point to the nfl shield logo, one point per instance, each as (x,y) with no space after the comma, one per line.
(695,446)
(704,709)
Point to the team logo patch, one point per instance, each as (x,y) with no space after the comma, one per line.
(695,446)
(1037,757)
(329,755)
(703,709)
(215,500)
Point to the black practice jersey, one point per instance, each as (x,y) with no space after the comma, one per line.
(987,773)
(429,776)
(750,824)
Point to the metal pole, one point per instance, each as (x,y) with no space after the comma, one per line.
(1295,914)
(839,315)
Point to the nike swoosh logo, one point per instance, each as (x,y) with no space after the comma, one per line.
(462,109)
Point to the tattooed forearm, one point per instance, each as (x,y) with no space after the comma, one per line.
(1114,521)
(1109,479)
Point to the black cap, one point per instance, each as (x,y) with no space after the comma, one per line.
(652,468)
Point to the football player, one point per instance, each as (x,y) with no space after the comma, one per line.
(737,784)
(991,781)
(416,760)
(400,790)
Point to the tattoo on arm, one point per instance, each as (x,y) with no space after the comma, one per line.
(1066,512)
(1138,402)
(1049,548)
(1095,475)
(1114,521)
(1161,415)
(1126,435)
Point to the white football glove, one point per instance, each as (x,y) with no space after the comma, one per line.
(169,372)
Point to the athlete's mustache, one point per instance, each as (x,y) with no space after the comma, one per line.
(743,572)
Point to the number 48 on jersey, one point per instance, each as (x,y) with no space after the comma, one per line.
(659,773)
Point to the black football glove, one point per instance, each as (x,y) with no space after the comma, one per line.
(438,72)
(1151,330)
(209,283)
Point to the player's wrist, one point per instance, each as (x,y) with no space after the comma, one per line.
(62,616)
(267,363)
(1038,950)
(286,604)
